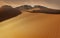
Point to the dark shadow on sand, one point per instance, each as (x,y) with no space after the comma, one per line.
(7,12)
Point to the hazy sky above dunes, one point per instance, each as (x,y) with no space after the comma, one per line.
(47,3)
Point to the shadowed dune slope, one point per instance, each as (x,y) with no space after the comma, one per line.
(7,12)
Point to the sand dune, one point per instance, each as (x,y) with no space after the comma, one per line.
(31,25)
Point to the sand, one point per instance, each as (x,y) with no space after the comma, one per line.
(31,25)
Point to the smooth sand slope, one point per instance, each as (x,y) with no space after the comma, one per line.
(31,25)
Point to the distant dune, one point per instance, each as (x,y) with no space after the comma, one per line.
(7,12)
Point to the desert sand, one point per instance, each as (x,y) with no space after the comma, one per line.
(31,25)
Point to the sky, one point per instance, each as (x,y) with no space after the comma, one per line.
(55,4)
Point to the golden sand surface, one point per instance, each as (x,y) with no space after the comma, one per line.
(31,25)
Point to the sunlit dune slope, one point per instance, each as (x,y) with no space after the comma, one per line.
(31,25)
